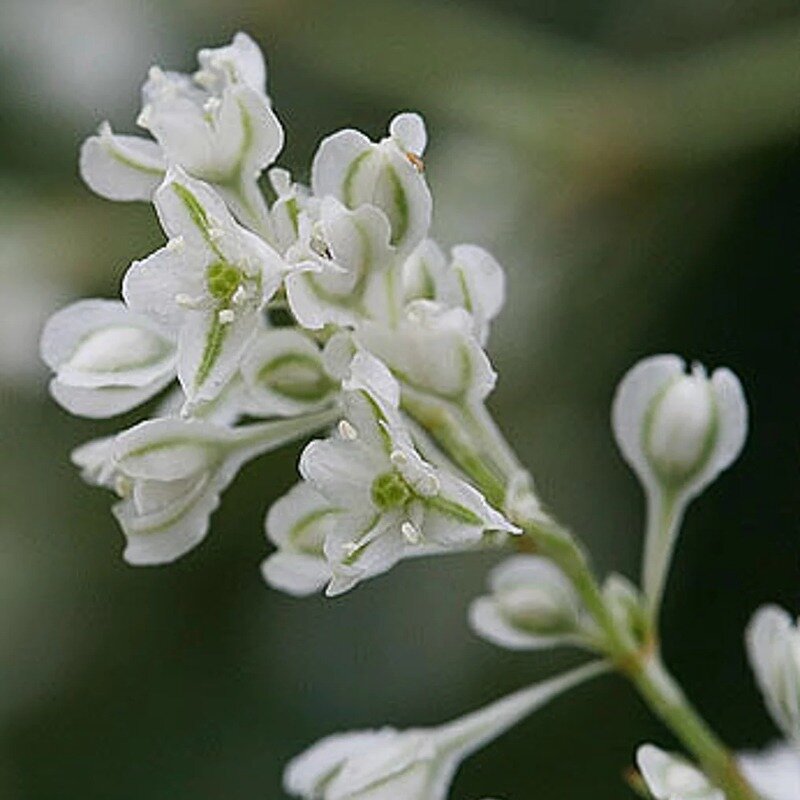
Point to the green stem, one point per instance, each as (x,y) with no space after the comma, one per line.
(665,697)
(639,660)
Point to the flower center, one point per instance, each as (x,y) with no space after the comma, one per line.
(223,279)
(390,490)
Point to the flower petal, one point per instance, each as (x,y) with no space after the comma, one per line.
(296,574)
(121,167)
(636,391)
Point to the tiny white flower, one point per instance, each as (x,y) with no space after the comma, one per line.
(170,473)
(380,482)
(217,124)
(671,777)
(773,645)
(209,284)
(678,432)
(342,264)
(388,175)
(774,772)
(284,373)
(106,358)
(532,606)
(298,524)
(415,764)
(432,351)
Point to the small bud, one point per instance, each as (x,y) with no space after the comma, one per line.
(532,606)
(678,432)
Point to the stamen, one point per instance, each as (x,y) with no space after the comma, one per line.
(347,431)
(428,486)
(419,164)
(226,316)
(398,458)
(123,485)
(239,296)
(411,533)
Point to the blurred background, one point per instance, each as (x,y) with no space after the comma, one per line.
(632,163)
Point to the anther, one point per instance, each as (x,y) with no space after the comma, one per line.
(347,431)
(411,533)
(417,162)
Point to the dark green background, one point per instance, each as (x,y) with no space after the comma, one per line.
(634,165)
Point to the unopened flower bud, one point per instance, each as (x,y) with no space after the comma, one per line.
(532,606)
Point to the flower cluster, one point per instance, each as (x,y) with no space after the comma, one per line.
(278,314)
(270,315)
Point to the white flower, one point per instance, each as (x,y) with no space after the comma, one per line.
(342,263)
(285,375)
(774,773)
(106,358)
(170,473)
(209,284)
(678,432)
(388,175)
(773,645)
(415,764)
(532,606)
(392,501)
(472,280)
(218,125)
(298,524)
(432,351)
(671,777)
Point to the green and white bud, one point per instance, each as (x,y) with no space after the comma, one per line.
(532,606)
(678,432)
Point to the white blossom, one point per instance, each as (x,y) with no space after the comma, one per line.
(414,764)
(106,359)
(678,432)
(531,606)
(218,125)
(342,264)
(432,351)
(392,501)
(773,645)
(387,175)
(209,284)
(169,474)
